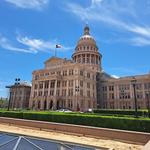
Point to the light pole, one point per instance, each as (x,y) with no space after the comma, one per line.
(148,102)
(77,90)
(133,81)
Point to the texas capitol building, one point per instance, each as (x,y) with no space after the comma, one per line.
(79,84)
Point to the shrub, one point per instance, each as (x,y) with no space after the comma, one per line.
(121,112)
(124,123)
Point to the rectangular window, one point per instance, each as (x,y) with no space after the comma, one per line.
(52,84)
(81,72)
(71,72)
(58,84)
(36,77)
(64,83)
(111,88)
(88,85)
(88,93)
(58,92)
(45,93)
(51,92)
(71,83)
(46,84)
(81,92)
(40,93)
(65,73)
(88,75)
(35,86)
(64,92)
(58,72)
(41,86)
(35,94)
(81,83)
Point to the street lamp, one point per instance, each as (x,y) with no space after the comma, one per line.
(77,90)
(133,81)
(148,102)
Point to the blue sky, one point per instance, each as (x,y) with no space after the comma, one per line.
(30,29)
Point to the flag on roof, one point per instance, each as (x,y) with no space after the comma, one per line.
(58,46)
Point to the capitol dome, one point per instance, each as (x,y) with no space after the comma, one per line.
(86,51)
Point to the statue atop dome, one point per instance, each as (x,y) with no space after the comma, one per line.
(86,30)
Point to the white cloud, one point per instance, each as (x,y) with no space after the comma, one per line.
(5,44)
(140,41)
(41,45)
(96,1)
(31,45)
(122,15)
(29,4)
(35,44)
(115,76)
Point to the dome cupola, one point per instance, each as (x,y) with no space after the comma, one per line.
(86,51)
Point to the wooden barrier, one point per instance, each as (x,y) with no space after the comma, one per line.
(128,136)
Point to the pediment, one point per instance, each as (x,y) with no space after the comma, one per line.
(54,60)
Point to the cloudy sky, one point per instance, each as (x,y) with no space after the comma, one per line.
(30,29)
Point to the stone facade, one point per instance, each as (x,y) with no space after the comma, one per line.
(63,84)
(80,84)
(119,93)
(19,95)
(68,83)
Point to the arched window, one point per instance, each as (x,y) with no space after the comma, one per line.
(87,47)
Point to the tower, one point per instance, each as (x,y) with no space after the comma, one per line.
(86,51)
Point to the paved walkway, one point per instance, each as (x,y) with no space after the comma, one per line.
(99,142)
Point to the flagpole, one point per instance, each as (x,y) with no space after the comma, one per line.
(57,46)
(55,51)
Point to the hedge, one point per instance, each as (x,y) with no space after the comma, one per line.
(121,112)
(124,123)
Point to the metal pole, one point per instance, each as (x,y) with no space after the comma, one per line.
(135,101)
(9,102)
(148,103)
(55,51)
(76,97)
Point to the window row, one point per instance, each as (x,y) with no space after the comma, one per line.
(86,48)
(64,73)
(64,93)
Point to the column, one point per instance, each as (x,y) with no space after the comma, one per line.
(55,99)
(61,87)
(43,88)
(67,90)
(81,58)
(42,97)
(49,88)
(55,89)
(47,99)
(144,99)
(90,60)
(31,96)
(85,58)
